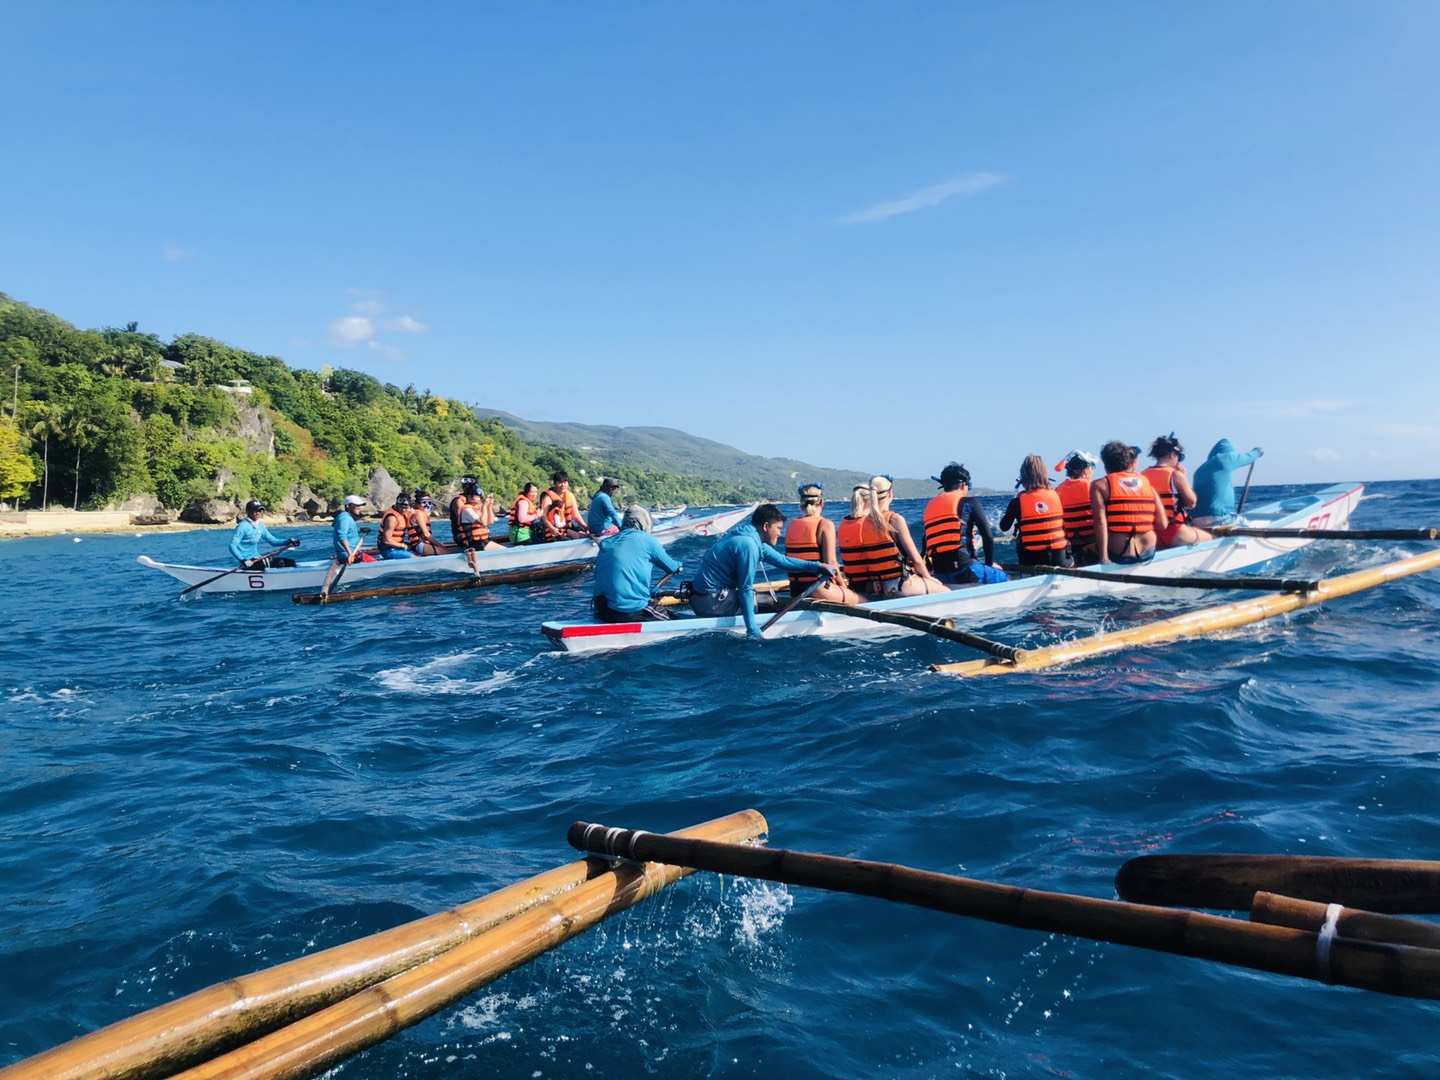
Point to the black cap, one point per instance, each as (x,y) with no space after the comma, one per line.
(468,482)
(254,506)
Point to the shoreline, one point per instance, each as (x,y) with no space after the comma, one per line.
(102,522)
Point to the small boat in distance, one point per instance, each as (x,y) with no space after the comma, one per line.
(311,574)
(1329,508)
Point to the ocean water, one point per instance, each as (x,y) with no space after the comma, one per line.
(194,790)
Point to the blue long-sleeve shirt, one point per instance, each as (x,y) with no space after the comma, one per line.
(602,514)
(346,529)
(622,570)
(245,541)
(1214,486)
(731,564)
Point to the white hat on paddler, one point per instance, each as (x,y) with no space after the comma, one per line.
(354,500)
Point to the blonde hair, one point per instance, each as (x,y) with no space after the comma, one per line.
(860,501)
(1032,473)
(878,494)
(811,502)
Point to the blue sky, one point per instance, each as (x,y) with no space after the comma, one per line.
(878,236)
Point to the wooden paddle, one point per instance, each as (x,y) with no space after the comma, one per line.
(1397,886)
(1390,969)
(226,573)
(1271,584)
(1327,534)
(1352,923)
(1245,491)
(792,603)
(944,628)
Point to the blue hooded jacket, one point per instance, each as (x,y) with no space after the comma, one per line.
(1214,485)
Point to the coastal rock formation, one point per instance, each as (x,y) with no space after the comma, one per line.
(209,512)
(382,489)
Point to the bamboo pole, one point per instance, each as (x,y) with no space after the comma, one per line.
(1257,584)
(318,1041)
(192,1028)
(499,577)
(1198,623)
(1349,922)
(1398,886)
(1390,969)
(944,628)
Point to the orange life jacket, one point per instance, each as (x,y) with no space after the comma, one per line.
(1041,521)
(802,541)
(1079,514)
(420,524)
(868,553)
(943,528)
(567,501)
(474,534)
(520,500)
(556,518)
(1129,503)
(396,529)
(1162,479)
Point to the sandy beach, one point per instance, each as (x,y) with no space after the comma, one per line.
(15,526)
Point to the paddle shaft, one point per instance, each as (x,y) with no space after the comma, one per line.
(1328,534)
(1245,491)
(1262,584)
(1349,922)
(792,603)
(235,570)
(1390,969)
(944,628)
(1397,886)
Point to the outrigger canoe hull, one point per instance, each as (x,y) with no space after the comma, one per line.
(311,574)
(1327,509)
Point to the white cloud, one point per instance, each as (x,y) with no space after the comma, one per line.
(351,330)
(1325,455)
(174,253)
(965,185)
(406,324)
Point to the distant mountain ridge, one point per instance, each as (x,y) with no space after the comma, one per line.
(671,450)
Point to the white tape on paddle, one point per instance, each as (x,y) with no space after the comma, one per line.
(1327,938)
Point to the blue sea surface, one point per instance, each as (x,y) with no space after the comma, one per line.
(196,789)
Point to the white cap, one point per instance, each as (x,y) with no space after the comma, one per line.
(354,500)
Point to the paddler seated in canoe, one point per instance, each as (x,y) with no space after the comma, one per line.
(397,534)
(811,538)
(952,518)
(1038,518)
(623,570)
(603,519)
(1074,494)
(725,582)
(472,512)
(1128,514)
(425,542)
(879,557)
(1167,476)
(250,532)
(1215,484)
(346,532)
(522,514)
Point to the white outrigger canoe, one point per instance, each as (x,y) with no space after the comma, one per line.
(1327,509)
(311,574)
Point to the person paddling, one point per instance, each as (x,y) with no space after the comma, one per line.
(1167,477)
(725,582)
(952,518)
(811,537)
(424,542)
(1128,513)
(603,519)
(396,532)
(1074,495)
(250,532)
(1215,484)
(623,570)
(879,557)
(1038,517)
(346,532)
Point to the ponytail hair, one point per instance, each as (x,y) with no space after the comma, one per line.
(860,501)
(880,486)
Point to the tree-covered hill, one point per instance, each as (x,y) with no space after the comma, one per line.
(101,416)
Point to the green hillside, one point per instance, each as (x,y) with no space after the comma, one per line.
(649,447)
(102,416)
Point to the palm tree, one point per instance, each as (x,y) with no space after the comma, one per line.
(80,428)
(42,421)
